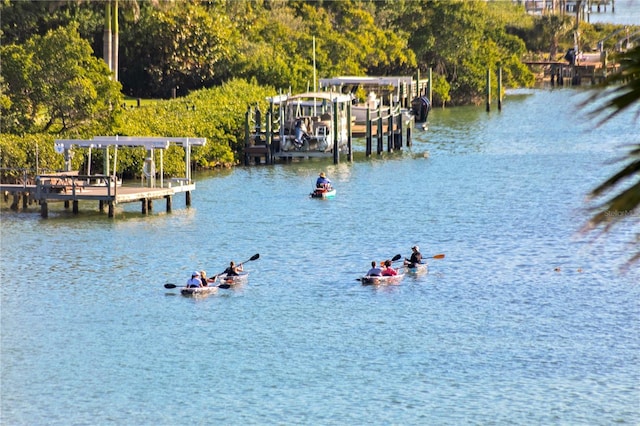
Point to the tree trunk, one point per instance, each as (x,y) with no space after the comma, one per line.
(106,36)
(116,45)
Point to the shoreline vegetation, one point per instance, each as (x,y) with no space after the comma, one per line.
(193,69)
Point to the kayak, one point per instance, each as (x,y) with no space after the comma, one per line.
(323,193)
(198,291)
(382,280)
(227,281)
(419,269)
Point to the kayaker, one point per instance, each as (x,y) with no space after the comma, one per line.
(323,181)
(416,257)
(233,270)
(374,271)
(388,270)
(205,280)
(195,280)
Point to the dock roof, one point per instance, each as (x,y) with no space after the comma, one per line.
(149,142)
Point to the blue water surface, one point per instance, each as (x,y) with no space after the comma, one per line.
(525,321)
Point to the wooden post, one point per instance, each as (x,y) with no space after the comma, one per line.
(488,90)
(379,131)
(25,200)
(169,199)
(349,137)
(267,134)
(101,206)
(401,128)
(430,86)
(144,206)
(149,205)
(44,209)
(188,198)
(16,201)
(247,136)
(336,151)
(500,89)
(75,207)
(367,136)
(390,144)
(111,209)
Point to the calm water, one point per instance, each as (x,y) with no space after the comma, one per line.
(492,335)
(627,12)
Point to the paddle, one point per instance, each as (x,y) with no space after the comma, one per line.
(437,256)
(393,259)
(225,286)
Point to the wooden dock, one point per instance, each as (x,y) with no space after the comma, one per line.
(71,188)
(394,124)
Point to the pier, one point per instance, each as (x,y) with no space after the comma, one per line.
(323,124)
(70,187)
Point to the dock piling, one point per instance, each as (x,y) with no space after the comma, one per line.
(488,90)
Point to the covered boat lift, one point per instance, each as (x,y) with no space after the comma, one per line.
(71,186)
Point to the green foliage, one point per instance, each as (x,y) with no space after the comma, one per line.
(441,90)
(460,40)
(31,152)
(182,48)
(57,85)
(216,114)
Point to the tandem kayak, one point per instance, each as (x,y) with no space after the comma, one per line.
(227,281)
(419,269)
(381,280)
(323,193)
(198,291)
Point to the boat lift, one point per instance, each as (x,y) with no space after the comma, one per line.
(65,146)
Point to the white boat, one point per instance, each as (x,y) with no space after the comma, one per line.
(313,121)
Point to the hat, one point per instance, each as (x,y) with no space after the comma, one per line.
(416,248)
(322,174)
(195,273)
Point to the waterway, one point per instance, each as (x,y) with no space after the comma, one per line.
(525,321)
(627,12)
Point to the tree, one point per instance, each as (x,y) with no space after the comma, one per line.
(55,84)
(620,92)
(179,48)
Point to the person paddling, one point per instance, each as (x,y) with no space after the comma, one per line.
(233,270)
(416,258)
(374,271)
(388,270)
(194,281)
(323,182)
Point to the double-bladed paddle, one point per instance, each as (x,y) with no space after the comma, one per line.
(223,286)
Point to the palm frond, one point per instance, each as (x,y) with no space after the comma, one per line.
(619,92)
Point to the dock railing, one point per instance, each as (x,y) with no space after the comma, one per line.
(72,183)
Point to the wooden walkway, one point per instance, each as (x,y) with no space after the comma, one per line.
(73,190)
